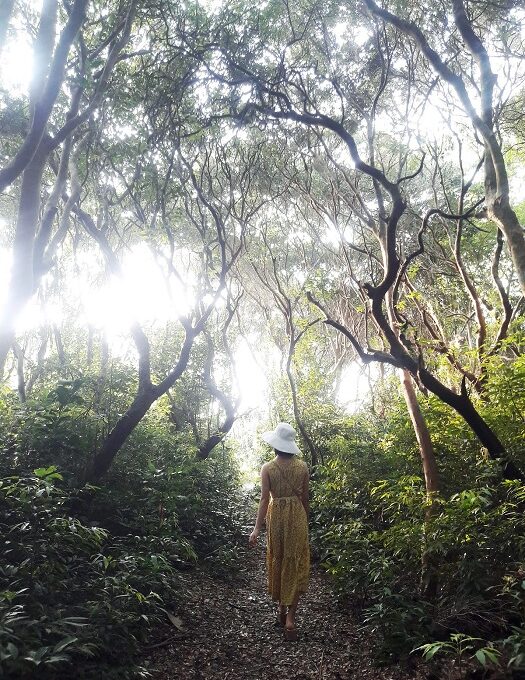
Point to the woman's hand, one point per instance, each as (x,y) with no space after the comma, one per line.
(253,538)
(263,506)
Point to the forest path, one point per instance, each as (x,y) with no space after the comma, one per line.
(228,634)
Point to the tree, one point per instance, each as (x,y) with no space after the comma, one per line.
(280,276)
(54,136)
(204,218)
(228,404)
(328,105)
(497,199)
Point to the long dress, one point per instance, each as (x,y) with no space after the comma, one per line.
(287,550)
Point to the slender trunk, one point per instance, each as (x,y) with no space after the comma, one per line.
(100,382)
(503,295)
(297,412)
(41,355)
(471,288)
(19,353)
(177,415)
(502,213)
(21,285)
(222,430)
(104,356)
(46,84)
(137,410)
(89,353)
(59,345)
(428,459)
(460,402)
(429,566)
(213,440)
(466,409)
(496,178)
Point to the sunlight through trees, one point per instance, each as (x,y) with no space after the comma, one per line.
(215,216)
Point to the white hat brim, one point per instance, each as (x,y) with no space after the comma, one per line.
(286,446)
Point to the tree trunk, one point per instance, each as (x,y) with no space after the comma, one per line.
(466,409)
(19,353)
(134,414)
(459,402)
(100,381)
(21,285)
(496,178)
(41,355)
(502,213)
(59,345)
(46,84)
(118,435)
(230,409)
(211,442)
(429,566)
(89,352)
(297,412)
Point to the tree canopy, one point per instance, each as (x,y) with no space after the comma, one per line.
(214,216)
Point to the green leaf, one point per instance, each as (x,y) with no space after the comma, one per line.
(49,472)
(480,656)
(492,654)
(429,650)
(64,643)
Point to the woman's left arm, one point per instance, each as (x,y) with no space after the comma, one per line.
(263,506)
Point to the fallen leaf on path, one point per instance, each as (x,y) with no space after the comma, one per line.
(176,621)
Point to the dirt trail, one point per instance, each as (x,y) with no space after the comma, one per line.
(228,634)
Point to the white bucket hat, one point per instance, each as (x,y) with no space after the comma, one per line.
(282,438)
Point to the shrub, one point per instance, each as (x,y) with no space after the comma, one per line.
(88,572)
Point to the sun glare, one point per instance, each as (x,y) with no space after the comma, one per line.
(16,65)
(252,377)
(354,385)
(143,293)
(5,272)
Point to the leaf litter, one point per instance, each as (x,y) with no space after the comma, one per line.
(227,631)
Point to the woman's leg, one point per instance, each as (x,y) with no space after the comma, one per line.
(290,616)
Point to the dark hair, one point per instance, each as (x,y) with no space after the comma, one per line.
(284,453)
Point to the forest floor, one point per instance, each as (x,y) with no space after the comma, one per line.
(227,632)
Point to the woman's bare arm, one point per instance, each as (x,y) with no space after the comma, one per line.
(263,505)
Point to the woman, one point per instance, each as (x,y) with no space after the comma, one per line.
(284,504)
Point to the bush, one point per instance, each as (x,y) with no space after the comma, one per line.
(88,573)
(68,590)
(370,529)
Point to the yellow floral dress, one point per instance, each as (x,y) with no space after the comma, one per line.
(287,550)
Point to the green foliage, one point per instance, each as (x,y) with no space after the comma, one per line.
(461,646)
(371,527)
(516,643)
(71,591)
(505,405)
(89,572)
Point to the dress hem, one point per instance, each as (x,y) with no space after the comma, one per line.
(287,604)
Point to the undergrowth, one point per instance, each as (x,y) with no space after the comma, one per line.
(370,529)
(88,573)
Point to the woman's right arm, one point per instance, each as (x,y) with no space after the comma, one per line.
(263,506)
